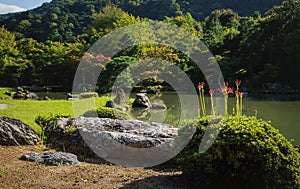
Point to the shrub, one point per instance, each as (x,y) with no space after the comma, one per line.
(247,153)
(104,112)
(44,121)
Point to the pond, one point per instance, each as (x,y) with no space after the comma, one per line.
(284,115)
(54,96)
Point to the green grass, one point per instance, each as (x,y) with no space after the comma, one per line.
(28,110)
(3,90)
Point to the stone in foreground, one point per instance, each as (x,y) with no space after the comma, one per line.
(52,158)
(114,140)
(14,133)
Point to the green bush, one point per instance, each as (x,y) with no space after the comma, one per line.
(44,121)
(104,112)
(247,153)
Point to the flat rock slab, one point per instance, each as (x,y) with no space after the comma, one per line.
(52,158)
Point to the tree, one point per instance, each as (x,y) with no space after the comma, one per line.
(12,64)
(113,69)
(188,23)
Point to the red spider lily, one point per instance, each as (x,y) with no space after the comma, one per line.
(239,94)
(201,85)
(109,59)
(238,82)
(226,84)
(211,92)
(222,90)
(229,90)
(101,57)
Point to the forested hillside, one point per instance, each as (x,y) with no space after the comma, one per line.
(258,49)
(64,20)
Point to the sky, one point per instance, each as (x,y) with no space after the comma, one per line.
(9,6)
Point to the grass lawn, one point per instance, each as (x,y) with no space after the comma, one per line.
(28,110)
(3,90)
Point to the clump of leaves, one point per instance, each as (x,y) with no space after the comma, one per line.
(104,112)
(44,121)
(2,174)
(247,153)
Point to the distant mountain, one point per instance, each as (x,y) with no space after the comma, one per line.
(63,20)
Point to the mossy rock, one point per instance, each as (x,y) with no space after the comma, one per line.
(104,112)
(247,153)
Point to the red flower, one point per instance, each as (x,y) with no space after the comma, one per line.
(222,90)
(238,82)
(229,90)
(241,94)
(201,85)
(211,92)
(226,84)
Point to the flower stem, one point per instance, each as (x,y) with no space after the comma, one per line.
(226,104)
(212,106)
(241,104)
(203,102)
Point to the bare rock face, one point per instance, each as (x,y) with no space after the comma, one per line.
(111,138)
(14,132)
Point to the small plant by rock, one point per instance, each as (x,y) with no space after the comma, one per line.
(44,121)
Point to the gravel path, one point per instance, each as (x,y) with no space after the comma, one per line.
(15,173)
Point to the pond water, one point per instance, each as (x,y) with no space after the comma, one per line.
(54,96)
(284,115)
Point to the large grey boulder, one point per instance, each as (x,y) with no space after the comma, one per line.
(52,158)
(141,101)
(14,132)
(112,139)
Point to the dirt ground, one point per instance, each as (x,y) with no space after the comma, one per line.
(15,173)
